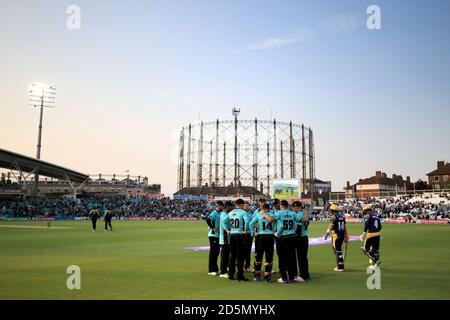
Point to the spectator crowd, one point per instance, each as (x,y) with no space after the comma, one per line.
(423,207)
(120,206)
(420,207)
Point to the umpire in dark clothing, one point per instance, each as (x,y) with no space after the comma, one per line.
(94,215)
(108,218)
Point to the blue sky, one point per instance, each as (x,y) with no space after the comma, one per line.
(137,71)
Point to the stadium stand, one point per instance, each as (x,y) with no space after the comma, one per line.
(22,163)
(213,191)
(120,206)
(427,207)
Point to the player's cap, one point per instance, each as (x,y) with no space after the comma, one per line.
(296,204)
(219,203)
(367,207)
(334,207)
(276,201)
(284,203)
(239,201)
(228,204)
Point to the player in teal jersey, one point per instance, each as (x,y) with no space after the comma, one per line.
(261,203)
(302,241)
(275,208)
(224,239)
(213,221)
(248,239)
(264,241)
(286,227)
(238,226)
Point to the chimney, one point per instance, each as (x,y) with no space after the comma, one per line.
(360,180)
(408,179)
(378,174)
(394,176)
(348,184)
(440,164)
(384,175)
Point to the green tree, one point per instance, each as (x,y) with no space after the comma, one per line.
(447,184)
(421,185)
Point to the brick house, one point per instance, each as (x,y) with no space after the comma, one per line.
(439,178)
(378,185)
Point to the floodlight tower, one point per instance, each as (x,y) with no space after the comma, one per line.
(235,113)
(42,96)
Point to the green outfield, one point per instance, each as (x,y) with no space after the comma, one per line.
(148,260)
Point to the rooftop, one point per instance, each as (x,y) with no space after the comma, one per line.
(442,169)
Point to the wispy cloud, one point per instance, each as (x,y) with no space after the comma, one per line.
(275,42)
(341,22)
(335,24)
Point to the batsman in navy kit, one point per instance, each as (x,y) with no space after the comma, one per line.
(264,241)
(238,226)
(371,235)
(213,222)
(339,235)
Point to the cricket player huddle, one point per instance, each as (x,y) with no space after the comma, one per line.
(232,228)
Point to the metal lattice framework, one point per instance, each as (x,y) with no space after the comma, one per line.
(249,152)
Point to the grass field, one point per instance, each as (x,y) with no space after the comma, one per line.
(147,260)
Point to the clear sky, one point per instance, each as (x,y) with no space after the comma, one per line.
(137,71)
